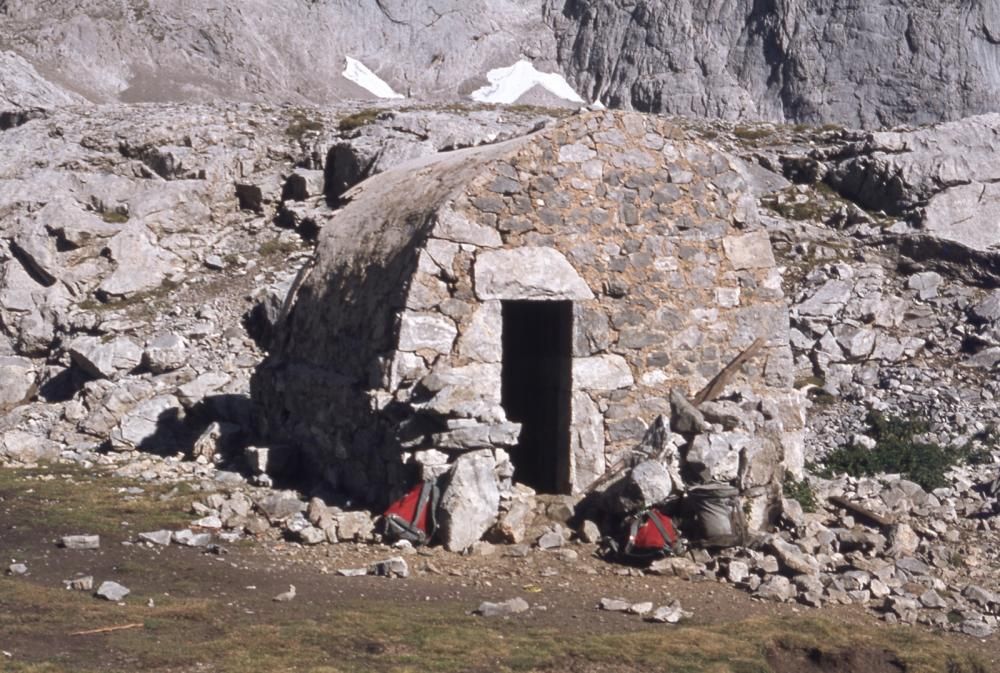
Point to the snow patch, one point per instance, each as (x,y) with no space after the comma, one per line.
(357,72)
(508,84)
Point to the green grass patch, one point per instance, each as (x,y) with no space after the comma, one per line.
(277,247)
(752,133)
(78,502)
(979,450)
(114,217)
(817,205)
(301,124)
(359,637)
(801,210)
(201,623)
(146,300)
(555,112)
(358,119)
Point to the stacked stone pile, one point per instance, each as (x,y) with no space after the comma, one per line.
(255,511)
(860,329)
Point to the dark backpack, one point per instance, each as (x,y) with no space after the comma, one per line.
(412,516)
(651,534)
(714,513)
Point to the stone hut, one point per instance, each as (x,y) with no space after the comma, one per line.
(519,313)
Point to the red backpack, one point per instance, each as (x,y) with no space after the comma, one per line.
(412,516)
(652,534)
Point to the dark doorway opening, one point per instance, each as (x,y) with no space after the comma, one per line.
(537,380)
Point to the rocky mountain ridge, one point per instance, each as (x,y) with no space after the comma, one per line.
(872,65)
(293,51)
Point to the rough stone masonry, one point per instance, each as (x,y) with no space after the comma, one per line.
(391,363)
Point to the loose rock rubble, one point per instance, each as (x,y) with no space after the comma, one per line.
(934,565)
(391,567)
(650,239)
(127,325)
(669,614)
(665,614)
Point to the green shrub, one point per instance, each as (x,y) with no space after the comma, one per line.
(799,491)
(979,450)
(895,450)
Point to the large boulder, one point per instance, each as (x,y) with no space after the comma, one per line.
(470,502)
(18,380)
(646,484)
(141,265)
(23,447)
(105,359)
(716,456)
(165,352)
(151,425)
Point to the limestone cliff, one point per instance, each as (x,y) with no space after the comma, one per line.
(870,64)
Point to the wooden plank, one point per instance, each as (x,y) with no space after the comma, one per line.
(862,512)
(721,380)
(108,629)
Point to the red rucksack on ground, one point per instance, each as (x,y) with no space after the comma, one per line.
(652,534)
(412,516)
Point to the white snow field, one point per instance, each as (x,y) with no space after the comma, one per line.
(357,72)
(508,84)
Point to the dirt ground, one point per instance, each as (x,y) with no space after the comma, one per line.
(196,611)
